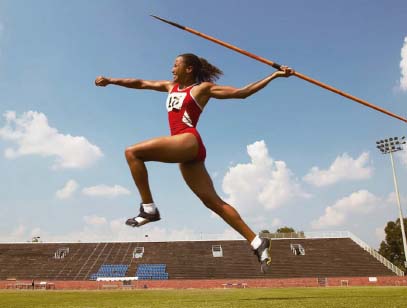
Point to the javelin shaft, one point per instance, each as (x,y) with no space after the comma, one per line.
(278,66)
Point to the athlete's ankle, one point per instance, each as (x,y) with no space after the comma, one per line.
(256,242)
(149,208)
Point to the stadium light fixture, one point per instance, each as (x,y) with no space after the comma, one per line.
(35,239)
(389,146)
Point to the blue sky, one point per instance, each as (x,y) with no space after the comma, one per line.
(293,154)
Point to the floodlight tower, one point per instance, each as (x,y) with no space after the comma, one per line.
(389,146)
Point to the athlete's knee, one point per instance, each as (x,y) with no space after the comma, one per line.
(133,152)
(128,153)
(214,204)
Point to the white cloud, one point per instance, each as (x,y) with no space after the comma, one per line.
(19,234)
(403,66)
(93,191)
(343,168)
(68,190)
(358,202)
(105,191)
(32,135)
(94,220)
(262,183)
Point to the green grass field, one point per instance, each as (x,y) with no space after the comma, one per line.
(346,297)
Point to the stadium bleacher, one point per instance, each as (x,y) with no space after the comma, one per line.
(323,257)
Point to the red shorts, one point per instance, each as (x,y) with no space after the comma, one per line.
(201,147)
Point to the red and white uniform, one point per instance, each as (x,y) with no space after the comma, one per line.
(183,115)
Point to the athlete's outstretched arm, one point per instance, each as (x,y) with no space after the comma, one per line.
(224,92)
(156,85)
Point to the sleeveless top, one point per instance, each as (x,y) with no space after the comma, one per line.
(183,110)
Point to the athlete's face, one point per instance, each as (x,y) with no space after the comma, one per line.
(180,70)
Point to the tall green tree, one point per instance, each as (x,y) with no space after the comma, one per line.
(285,230)
(392,247)
(291,231)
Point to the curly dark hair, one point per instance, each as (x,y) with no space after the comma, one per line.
(201,68)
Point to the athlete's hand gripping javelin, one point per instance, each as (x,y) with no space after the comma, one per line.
(284,71)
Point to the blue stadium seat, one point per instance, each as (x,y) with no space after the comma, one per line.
(110,270)
(152,272)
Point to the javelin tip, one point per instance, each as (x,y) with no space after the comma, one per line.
(168,22)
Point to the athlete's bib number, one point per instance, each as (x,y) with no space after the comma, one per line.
(175,101)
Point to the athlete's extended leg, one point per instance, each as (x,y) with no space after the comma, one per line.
(173,149)
(199,181)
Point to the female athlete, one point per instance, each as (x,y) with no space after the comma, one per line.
(188,93)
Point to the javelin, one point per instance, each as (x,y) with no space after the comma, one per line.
(278,66)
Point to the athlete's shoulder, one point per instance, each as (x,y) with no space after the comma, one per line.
(171,86)
(205,86)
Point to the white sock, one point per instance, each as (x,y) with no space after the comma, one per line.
(149,208)
(256,242)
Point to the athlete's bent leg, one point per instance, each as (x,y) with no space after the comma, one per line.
(172,149)
(198,179)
